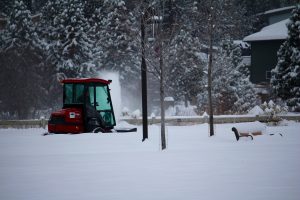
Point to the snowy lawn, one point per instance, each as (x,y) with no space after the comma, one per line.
(119,166)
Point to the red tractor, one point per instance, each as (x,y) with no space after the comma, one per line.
(87,107)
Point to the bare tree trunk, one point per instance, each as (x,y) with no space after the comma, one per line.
(211,117)
(210,106)
(144,81)
(162,97)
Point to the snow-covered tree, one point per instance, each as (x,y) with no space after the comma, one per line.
(232,90)
(242,91)
(65,29)
(6,7)
(185,65)
(286,75)
(118,33)
(214,20)
(22,71)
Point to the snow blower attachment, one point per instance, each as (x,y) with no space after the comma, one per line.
(87,107)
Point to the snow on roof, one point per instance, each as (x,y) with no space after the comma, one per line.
(242,43)
(279,10)
(277,31)
(169,99)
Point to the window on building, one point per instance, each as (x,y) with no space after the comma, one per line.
(268,75)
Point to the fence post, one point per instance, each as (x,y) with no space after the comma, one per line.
(43,122)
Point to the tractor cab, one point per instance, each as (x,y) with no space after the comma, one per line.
(87,107)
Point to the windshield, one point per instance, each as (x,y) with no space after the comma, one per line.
(99,98)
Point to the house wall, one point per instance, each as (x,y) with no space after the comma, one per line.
(263,59)
(3,23)
(277,18)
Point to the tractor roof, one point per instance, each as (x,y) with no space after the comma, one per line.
(86,80)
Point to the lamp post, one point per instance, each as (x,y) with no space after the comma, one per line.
(144,80)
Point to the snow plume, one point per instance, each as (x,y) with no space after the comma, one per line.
(115,91)
(123,99)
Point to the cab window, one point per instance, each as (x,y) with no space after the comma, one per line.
(73,93)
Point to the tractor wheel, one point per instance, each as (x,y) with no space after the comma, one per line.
(98,129)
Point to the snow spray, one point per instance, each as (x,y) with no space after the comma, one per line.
(115,91)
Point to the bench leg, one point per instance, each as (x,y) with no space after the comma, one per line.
(237,135)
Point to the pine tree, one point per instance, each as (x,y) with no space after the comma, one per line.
(6,7)
(286,75)
(185,63)
(21,64)
(66,31)
(242,88)
(214,21)
(117,39)
(233,93)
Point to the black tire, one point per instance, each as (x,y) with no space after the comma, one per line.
(98,129)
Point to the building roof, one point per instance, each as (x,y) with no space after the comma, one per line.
(279,10)
(277,31)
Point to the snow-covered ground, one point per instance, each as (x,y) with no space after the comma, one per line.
(119,166)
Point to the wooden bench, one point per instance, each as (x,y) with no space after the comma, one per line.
(249,129)
(239,135)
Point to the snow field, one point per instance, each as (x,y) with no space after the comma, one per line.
(120,166)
